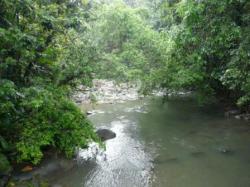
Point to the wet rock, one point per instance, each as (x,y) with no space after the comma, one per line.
(89,113)
(27,168)
(238,117)
(237,114)
(23,176)
(244,116)
(105,91)
(232,113)
(79,101)
(247,117)
(105,134)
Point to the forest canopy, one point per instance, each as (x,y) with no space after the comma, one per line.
(47,48)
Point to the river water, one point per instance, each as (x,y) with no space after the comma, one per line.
(175,144)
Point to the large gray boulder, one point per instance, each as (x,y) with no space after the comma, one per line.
(105,134)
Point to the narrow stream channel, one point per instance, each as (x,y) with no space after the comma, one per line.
(176,144)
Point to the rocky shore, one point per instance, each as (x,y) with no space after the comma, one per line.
(110,92)
(237,114)
(105,91)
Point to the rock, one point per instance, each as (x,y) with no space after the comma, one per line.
(237,114)
(238,117)
(105,134)
(22,176)
(89,113)
(242,116)
(232,113)
(78,101)
(27,169)
(105,91)
(247,117)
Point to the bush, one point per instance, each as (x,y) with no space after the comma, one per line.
(49,118)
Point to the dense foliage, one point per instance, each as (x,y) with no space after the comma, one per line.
(49,47)
(211,47)
(128,47)
(201,46)
(41,59)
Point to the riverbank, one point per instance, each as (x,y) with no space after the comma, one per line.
(109,92)
(103,91)
(106,93)
(26,174)
(176,143)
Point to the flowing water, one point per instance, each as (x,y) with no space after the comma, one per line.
(176,144)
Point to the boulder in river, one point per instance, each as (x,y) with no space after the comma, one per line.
(105,134)
(89,113)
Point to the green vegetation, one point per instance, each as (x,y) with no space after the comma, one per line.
(47,48)
(202,46)
(211,44)
(41,60)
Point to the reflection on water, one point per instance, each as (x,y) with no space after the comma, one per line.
(176,144)
(126,162)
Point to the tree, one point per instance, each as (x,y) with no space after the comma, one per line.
(211,44)
(37,72)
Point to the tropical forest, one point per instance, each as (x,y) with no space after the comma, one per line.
(124,93)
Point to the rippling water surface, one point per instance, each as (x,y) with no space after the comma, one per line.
(176,144)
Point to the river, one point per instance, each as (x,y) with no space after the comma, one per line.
(175,144)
